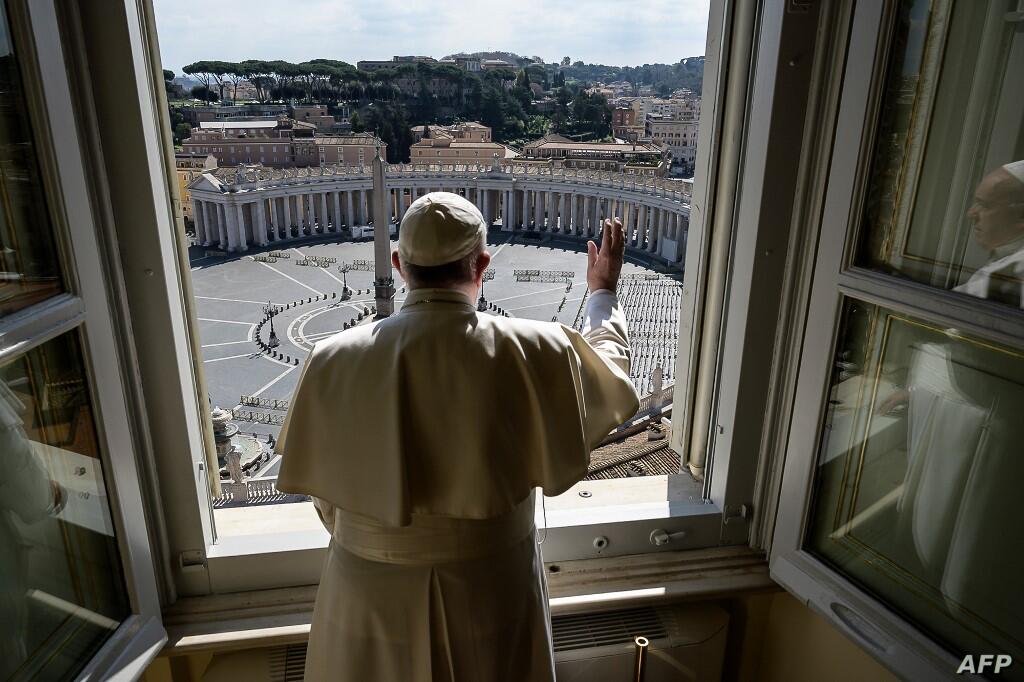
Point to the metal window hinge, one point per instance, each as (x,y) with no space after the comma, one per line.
(192,560)
(738,514)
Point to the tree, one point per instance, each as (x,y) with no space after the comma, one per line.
(204,93)
(182,131)
(168,75)
(234,74)
(356,122)
(566,61)
(261,75)
(201,70)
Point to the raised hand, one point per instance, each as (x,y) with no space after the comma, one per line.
(604,265)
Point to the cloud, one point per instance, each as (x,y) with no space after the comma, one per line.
(595,31)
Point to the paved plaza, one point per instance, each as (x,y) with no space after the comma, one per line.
(232,293)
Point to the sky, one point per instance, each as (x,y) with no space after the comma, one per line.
(610,32)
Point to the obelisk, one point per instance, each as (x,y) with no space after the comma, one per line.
(383,282)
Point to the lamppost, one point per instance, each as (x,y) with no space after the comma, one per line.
(270,311)
(481,303)
(346,293)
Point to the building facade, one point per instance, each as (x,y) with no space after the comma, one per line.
(187,167)
(640,158)
(317,115)
(468,142)
(283,143)
(680,137)
(239,208)
(196,115)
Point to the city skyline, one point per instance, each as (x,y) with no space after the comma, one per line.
(608,33)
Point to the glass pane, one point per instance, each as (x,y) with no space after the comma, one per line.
(29,268)
(919,476)
(945,203)
(62,591)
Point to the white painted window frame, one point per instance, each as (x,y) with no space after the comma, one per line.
(200,563)
(869,621)
(86,310)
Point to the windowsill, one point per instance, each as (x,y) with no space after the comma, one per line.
(283,616)
(263,529)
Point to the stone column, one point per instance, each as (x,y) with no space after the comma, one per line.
(506,211)
(627,219)
(221,224)
(349,210)
(656,226)
(641,226)
(260,222)
(243,238)
(209,224)
(197,220)
(538,210)
(336,204)
(323,212)
(309,211)
(231,226)
(280,222)
(363,198)
(401,203)
(485,208)
(525,210)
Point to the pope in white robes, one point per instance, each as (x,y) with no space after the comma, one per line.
(421,438)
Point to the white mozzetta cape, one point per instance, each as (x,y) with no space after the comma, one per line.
(440,410)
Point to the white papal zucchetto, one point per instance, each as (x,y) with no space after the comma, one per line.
(439,228)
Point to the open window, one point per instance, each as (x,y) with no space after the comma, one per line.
(77,579)
(276,260)
(896,518)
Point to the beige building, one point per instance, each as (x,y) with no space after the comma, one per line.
(355,149)
(470,131)
(679,109)
(188,166)
(643,158)
(459,143)
(679,136)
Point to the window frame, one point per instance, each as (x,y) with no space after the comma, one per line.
(167,342)
(86,309)
(860,66)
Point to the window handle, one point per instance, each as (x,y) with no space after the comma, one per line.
(661,537)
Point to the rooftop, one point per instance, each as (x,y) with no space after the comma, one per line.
(593,146)
(354,139)
(222,125)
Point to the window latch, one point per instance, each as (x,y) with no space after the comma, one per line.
(661,537)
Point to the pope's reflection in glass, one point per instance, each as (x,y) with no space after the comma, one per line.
(963,399)
(996,217)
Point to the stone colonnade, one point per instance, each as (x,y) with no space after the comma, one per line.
(261,216)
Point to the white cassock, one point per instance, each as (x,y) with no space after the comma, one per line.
(421,438)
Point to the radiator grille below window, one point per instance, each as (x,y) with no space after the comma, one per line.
(584,630)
